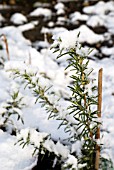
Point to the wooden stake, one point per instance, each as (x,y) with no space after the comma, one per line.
(99,115)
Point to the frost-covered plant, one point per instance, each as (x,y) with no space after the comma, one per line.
(33,80)
(57,154)
(83,100)
(106,164)
(80,119)
(11,110)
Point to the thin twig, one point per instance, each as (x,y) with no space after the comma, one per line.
(99,115)
(6,44)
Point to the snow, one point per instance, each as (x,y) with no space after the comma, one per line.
(59,6)
(109,22)
(95,21)
(60,12)
(99,15)
(53,31)
(58,148)
(42,44)
(41,11)
(100,8)
(3,95)
(10,31)
(108,51)
(61,20)
(36,138)
(76,147)
(18,18)
(68,39)
(62,150)
(12,156)
(78,16)
(86,33)
(51,24)
(40,120)
(2,110)
(100,19)
(44,64)
(72,161)
(27,26)
(41,4)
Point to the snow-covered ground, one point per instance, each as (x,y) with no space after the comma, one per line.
(14,157)
(23,55)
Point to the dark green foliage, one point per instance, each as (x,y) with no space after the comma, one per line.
(39,92)
(85,122)
(1,48)
(106,164)
(12,107)
(49,157)
(81,104)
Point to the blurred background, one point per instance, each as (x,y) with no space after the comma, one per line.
(47,15)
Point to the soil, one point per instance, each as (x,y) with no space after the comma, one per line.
(26,6)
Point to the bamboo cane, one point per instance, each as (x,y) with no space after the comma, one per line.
(99,115)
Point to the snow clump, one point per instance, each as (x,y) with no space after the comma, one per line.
(18,18)
(100,8)
(60,8)
(66,39)
(41,11)
(78,16)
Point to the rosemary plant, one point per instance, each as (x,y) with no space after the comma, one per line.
(51,155)
(39,91)
(81,117)
(11,110)
(82,102)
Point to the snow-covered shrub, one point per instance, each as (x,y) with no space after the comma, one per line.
(35,82)
(84,103)
(106,164)
(10,111)
(54,155)
(80,119)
